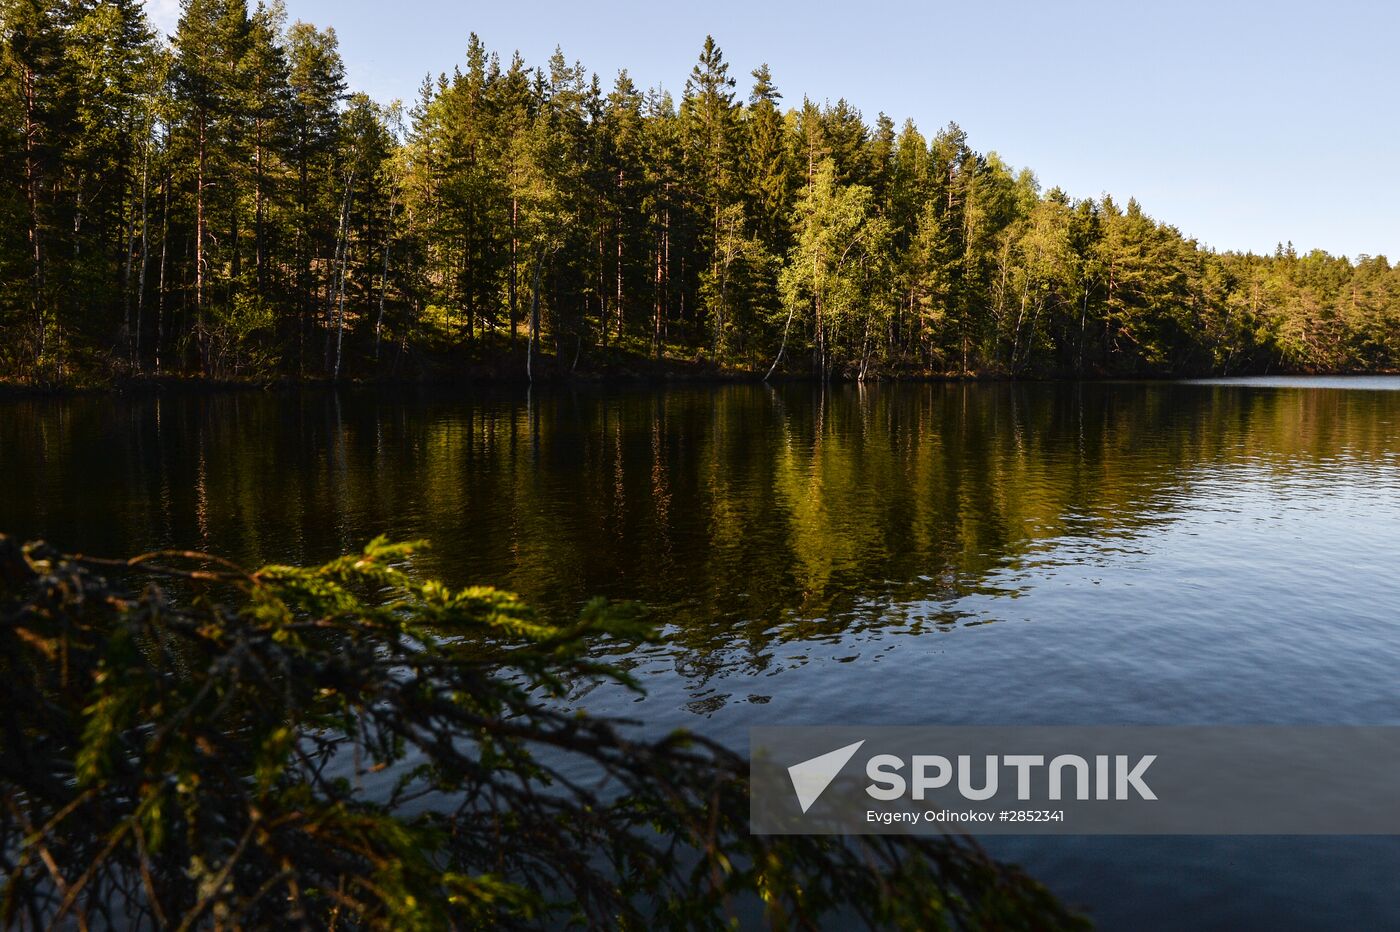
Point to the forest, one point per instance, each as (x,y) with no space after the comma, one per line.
(221,205)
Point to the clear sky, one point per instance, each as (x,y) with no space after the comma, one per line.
(1242,123)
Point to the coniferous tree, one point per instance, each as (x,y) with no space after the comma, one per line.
(316,88)
(222,205)
(709,122)
(42,99)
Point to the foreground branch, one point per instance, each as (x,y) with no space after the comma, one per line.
(348,746)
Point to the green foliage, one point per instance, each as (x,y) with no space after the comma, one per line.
(838,271)
(349,745)
(529,219)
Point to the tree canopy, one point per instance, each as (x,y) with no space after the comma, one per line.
(221,204)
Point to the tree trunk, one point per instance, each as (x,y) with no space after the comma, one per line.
(259,247)
(514,274)
(145,250)
(782,348)
(199,249)
(384,279)
(534,317)
(130,240)
(656,318)
(303,258)
(160,296)
(1083,319)
(336,294)
(31,192)
(602,291)
(617,304)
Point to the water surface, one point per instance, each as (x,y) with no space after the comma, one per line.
(1184,553)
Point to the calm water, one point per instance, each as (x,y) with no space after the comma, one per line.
(1110,553)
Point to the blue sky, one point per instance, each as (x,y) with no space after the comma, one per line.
(1242,123)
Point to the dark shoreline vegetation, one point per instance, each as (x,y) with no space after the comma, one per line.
(348,746)
(220,206)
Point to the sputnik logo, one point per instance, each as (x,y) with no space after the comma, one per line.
(811,777)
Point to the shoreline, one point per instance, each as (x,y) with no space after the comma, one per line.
(664,375)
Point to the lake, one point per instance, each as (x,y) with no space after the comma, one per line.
(1155,553)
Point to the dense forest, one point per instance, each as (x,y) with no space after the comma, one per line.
(222,205)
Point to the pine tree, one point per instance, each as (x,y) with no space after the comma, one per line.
(709,121)
(44,105)
(209,43)
(771,183)
(268,108)
(224,206)
(622,138)
(317,87)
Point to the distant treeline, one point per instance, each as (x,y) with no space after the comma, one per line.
(221,205)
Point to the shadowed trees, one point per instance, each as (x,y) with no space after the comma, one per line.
(221,204)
